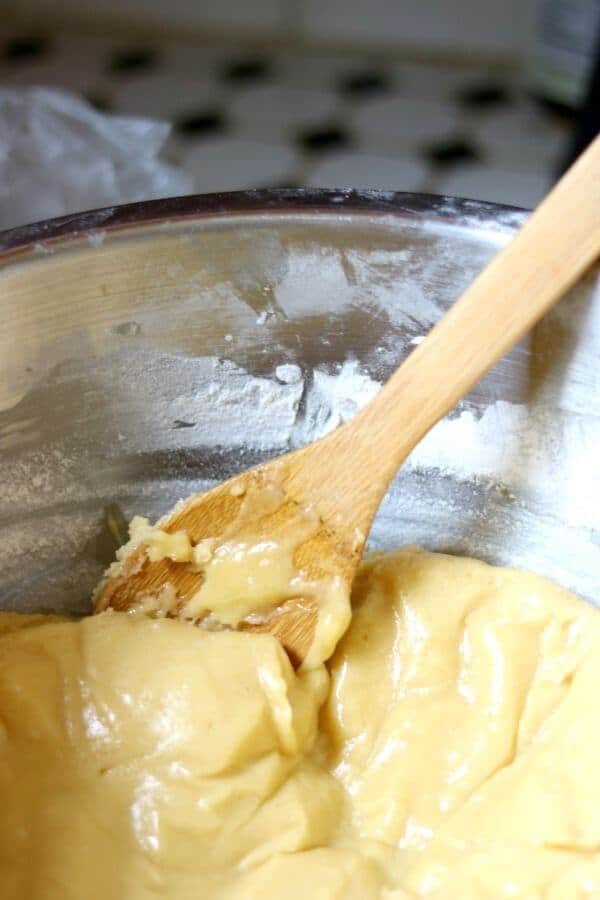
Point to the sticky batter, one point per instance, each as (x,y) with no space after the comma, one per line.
(449,750)
(245,567)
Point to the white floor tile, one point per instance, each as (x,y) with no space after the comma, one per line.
(165,96)
(322,70)
(347,170)
(228,164)
(482,182)
(403,121)
(201,60)
(280,111)
(441,83)
(522,137)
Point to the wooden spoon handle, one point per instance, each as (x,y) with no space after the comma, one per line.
(550,252)
(558,242)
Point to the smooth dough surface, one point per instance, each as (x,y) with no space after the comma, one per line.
(449,750)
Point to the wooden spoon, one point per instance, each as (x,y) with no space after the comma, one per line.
(344,476)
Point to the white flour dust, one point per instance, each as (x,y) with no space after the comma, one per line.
(533,451)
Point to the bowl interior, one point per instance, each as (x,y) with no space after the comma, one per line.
(143,360)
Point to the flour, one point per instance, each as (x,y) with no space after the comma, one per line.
(312,283)
(96,238)
(532,451)
(537,452)
(317,281)
(332,399)
(288,373)
(545,456)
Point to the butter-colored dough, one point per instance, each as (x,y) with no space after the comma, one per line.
(249,569)
(450,753)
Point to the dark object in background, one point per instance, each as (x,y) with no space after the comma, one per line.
(587,121)
(206,121)
(325,138)
(563,52)
(99,102)
(25,48)
(364,83)
(247,70)
(136,59)
(486,95)
(452,152)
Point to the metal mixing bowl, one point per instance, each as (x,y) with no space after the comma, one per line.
(139,355)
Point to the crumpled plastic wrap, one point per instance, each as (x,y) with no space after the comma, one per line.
(59,155)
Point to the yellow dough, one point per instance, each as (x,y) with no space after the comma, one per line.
(257,563)
(450,750)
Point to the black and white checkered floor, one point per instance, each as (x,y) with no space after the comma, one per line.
(249,117)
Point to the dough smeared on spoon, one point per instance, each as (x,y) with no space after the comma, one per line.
(244,555)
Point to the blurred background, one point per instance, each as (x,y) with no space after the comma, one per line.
(477,98)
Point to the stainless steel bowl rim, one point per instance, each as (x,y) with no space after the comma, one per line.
(428,207)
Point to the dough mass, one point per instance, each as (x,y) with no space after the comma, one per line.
(449,750)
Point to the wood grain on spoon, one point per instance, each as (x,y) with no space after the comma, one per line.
(344,475)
